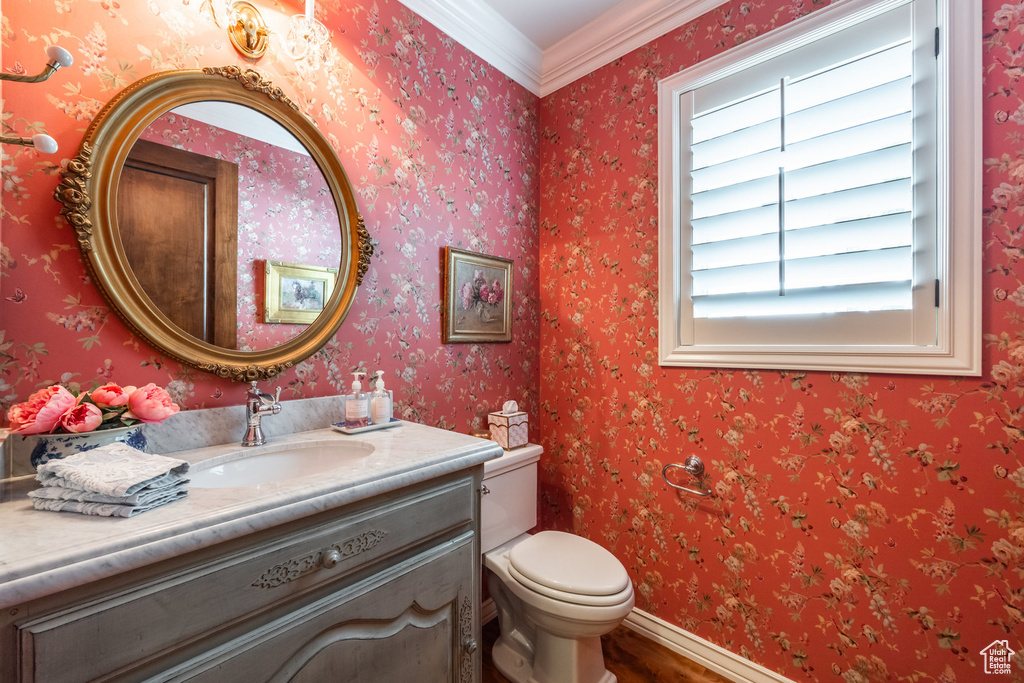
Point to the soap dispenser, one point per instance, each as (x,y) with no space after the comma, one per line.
(357,404)
(380,402)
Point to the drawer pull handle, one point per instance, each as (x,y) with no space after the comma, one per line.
(330,558)
(469,645)
(297,567)
(484,490)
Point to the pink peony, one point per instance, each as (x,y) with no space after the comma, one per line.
(149,404)
(109,395)
(84,417)
(41,412)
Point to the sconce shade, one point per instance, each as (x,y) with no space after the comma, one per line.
(305,36)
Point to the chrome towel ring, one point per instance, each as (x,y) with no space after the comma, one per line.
(694,466)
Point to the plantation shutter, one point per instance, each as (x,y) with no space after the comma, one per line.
(805,178)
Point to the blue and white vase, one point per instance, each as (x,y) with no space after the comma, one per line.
(41,448)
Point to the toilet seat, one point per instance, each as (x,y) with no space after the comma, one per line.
(570,569)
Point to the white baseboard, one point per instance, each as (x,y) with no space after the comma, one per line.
(717,658)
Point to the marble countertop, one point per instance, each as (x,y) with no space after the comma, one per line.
(42,552)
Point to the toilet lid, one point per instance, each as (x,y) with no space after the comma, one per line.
(567,563)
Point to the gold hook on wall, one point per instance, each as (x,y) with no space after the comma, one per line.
(42,143)
(58,57)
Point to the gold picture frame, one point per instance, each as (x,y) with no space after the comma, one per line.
(295,293)
(477,297)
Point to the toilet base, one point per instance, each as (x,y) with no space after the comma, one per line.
(557,660)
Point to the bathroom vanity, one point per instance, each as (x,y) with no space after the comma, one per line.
(363,569)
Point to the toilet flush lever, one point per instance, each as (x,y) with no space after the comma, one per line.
(694,466)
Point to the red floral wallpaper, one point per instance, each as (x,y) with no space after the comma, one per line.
(440,147)
(862,527)
(285,213)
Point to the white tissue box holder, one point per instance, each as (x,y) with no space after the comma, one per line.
(510,430)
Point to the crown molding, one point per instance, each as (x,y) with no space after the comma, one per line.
(618,32)
(624,28)
(481,30)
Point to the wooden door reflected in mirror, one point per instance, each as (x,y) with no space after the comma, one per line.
(195,232)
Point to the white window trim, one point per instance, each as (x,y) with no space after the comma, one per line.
(959,224)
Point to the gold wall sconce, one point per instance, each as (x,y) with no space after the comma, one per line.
(249,32)
(250,35)
(245,25)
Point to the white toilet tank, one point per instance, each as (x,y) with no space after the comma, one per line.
(508,506)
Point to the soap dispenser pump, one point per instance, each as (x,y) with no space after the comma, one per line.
(357,404)
(380,402)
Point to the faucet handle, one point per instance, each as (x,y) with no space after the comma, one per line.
(268,400)
(264,397)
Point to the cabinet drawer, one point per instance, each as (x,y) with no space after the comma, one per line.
(186,607)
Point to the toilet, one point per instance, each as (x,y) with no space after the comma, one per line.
(556,594)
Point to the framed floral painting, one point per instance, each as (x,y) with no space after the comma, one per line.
(477,297)
(295,293)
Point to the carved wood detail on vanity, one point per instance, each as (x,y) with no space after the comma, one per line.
(325,558)
(469,643)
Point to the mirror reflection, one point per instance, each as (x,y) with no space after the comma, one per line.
(209,194)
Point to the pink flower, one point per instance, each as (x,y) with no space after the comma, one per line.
(42,410)
(485,292)
(149,404)
(109,395)
(84,417)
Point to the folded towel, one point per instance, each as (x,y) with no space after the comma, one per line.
(107,509)
(113,470)
(141,497)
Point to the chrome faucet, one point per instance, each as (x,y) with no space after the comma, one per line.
(258,404)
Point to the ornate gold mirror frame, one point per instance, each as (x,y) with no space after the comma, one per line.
(88,193)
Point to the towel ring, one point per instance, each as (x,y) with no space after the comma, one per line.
(694,466)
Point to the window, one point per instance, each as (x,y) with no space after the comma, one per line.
(820,195)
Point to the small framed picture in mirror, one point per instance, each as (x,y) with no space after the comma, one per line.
(295,293)
(477,297)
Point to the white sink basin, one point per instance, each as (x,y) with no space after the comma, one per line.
(276,462)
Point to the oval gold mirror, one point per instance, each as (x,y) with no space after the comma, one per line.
(194,253)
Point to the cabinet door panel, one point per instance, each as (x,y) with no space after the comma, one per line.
(415,622)
(414,647)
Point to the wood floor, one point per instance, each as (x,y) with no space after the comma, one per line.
(627,654)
